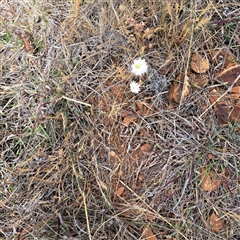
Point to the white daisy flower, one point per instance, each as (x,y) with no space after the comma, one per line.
(135,87)
(139,67)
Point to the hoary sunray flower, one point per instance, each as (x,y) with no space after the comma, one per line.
(139,67)
(134,87)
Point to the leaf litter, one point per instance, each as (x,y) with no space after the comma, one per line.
(85,171)
(216,223)
(209,180)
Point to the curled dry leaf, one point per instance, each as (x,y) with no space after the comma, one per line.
(199,80)
(146,147)
(223,56)
(113,158)
(209,156)
(199,64)
(217,96)
(235,93)
(140,177)
(170,192)
(236,90)
(227,112)
(229,75)
(209,180)
(149,217)
(177,91)
(126,214)
(216,223)
(148,234)
(136,186)
(128,120)
(143,132)
(118,91)
(139,105)
(120,191)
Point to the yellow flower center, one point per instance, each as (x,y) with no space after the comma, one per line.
(138,65)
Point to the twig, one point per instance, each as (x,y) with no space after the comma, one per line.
(76,101)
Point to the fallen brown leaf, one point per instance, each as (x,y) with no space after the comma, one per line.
(146,147)
(141,108)
(140,177)
(126,214)
(128,120)
(209,180)
(135,186)
(235,96)
(170,193)
(209,156)
(218,56)
(227,112)
(143,132)
(199,64)
(106,121)
(199,80)
(216,223)
(149,234)
(139,105)
(176,91)
(235,92)
(229,75)
(113,158)
(120,191)
(150,218)
(214,96)
(125,113)
(118,92)
(236,89)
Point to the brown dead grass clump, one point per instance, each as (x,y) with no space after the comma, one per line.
(82,157)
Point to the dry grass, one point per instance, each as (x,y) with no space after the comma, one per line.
(69,167)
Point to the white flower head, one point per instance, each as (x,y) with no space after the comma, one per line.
(139,67)
(135,87)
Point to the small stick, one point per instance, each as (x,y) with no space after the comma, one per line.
(76,101)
